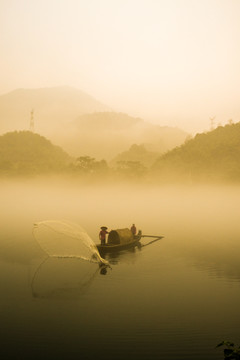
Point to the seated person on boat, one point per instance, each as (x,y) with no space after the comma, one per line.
(133,229)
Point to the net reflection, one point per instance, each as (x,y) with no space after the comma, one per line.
(63,277)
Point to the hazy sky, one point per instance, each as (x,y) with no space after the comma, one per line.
(175,62)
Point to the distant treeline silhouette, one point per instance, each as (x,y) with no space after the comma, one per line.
(211,156)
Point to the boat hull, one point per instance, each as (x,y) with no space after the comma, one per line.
(107,248)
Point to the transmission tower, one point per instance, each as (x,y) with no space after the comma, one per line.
(212,122)
(31,127)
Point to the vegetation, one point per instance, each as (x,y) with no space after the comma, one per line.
(23,153)
(130,169)
(107,134)
(137,153)
(207,157)
(231,351)
(88,165)
(212,156)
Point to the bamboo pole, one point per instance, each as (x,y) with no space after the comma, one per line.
(153,236)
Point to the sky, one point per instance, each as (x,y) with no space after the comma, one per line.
(172,62)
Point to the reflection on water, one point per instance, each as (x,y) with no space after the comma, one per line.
(125,256)
(173,299)
(68,277)
(63,277)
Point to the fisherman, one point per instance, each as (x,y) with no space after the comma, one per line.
(102,235)
(133,229)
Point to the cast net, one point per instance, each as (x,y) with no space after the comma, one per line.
(65,239)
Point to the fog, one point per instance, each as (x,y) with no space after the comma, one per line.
(200,223)
(174,62)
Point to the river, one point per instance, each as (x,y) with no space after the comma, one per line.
(174,299)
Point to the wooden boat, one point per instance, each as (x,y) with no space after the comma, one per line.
(120,239)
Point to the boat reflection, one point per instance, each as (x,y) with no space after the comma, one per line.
(127,255)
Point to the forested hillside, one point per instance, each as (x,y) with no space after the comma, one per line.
(24,152)
(106,134)
(137,153)
(212,156)
(208,156)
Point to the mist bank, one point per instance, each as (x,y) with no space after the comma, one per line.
(106,134)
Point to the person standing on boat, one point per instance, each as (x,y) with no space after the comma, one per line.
(133,229)
(102,235)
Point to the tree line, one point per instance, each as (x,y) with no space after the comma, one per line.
(211,156)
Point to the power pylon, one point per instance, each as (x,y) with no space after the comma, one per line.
(212,122)
(31,127)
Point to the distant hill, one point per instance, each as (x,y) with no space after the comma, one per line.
(27,153)
(82,125)
(106,134)
(53,107)
(137,153)
(209,156)
(106,121)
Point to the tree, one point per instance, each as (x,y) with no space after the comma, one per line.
(131,168)
(89,165)
(85,163)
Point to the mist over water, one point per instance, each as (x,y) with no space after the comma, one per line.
(174,299)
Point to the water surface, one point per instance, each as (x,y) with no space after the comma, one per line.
(174,299)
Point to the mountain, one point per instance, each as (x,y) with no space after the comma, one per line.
(137,153)
(207,157)
(106,134)
(82,125)
(53,107)
(26,153)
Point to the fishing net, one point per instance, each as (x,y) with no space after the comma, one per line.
(65,239)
